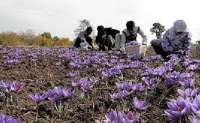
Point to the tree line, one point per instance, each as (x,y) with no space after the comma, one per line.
(28,38)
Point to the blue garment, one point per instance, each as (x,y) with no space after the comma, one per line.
(173,42)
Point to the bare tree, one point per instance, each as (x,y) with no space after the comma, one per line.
(82,26)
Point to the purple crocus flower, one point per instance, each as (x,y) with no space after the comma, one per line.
(136,65)
(184,79)
(63,92)
(121,66)
(3,84)
(187,82)
(187,75)
(33,56)
(8,119)
(196,119)
(114,61)
(153,58)
(177,108)
(11,61)
(11,86)
(16,87)
(111,72)
(193,67)
(174,59)
(54,94)
(124,86)
(120,95)
(84,84)
(75,64)
(187,62)
(188,93)
(39,97)
(151,83)
(191,64)
(13,57)
(128,86)
(138,87)
(159,71)
(196,104)
(59,93)
(175,75)
(168,66)
(141,105)
(121,117)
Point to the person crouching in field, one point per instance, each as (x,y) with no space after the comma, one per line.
(176,40)
(100,38)
(130,35)
(127,41)
(84,40)
(105,38)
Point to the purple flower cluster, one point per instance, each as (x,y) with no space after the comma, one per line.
(111,72)
(13,86)
(121,117)
(120,95)
(11,57)
(38,97)
(192,65)
(85,84)
(127,88)
(124,86)
(54,95)
(196,119)
(152,58)
(177,108)
(196,104)
(187,103)
(184,79)
(136,65)
(33,56)
(151,83)
(77,60)
(174,59)
(8,119)
(188,93)
(188,100)
(159,71)
(121,66)
(140,105)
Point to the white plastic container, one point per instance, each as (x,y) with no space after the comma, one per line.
(135,50)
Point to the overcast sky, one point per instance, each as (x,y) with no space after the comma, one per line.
(61,17)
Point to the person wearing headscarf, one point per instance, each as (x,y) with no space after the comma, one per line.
(177,39)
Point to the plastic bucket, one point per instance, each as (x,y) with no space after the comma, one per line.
(135,50)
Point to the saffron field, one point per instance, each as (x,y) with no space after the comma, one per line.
(60,85)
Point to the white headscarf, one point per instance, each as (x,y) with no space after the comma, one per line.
(180,26)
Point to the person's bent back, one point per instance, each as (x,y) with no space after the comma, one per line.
(105,38)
